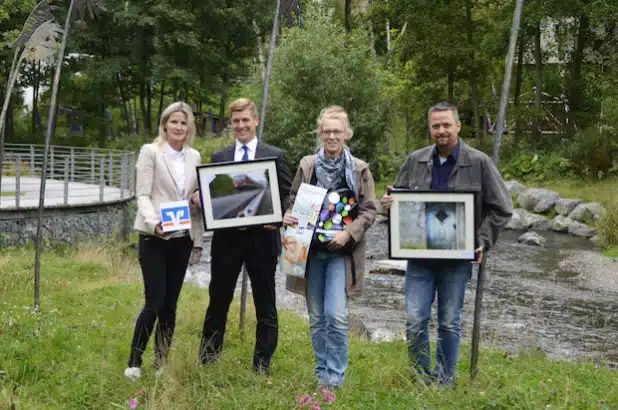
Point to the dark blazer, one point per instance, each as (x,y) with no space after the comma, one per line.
(264,150)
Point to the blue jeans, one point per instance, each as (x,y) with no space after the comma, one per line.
(423,279)
(328,316)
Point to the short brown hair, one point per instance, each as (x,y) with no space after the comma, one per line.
(243,104)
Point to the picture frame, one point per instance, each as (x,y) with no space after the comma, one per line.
(240,194)
(437,224)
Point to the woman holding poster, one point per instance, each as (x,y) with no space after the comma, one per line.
(170,229)
(336,262)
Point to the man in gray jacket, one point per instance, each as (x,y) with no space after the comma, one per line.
(448,164)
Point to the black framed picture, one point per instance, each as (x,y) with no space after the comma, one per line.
(432,225)
(240,194)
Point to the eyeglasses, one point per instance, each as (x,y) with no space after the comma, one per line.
(336,133)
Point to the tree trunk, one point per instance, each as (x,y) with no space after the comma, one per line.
(348,16)
(162,94)
(519,77)
(266,89)
(506,83)
(148,119)
(125,108)
(473,84)
(223,101)
(450,78)
(576,76)
(538,61)
(142,102)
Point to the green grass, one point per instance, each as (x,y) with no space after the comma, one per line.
(611,252)
(71,353)
(6,193)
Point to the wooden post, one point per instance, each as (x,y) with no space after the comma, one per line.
(504,97)
(476,327)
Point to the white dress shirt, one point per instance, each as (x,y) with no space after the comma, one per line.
(239,152)
(177,161)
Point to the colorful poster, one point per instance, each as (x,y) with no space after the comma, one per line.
(297,239)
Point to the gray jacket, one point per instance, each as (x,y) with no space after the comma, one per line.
(475,171)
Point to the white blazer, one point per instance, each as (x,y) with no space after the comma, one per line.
(155,184)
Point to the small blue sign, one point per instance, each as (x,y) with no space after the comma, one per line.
(175,216)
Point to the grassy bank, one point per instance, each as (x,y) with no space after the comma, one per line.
(72,352)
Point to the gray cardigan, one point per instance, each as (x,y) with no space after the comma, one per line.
(474,170)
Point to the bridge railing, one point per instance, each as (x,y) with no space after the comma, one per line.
(74,175)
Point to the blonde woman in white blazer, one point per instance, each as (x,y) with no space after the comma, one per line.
(165,172)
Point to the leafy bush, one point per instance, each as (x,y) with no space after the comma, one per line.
(319,66)
(594,153)
(607,228)
(388,166)
(534,167)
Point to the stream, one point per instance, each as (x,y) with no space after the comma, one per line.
(561,299)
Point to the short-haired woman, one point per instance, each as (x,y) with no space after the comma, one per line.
(335,271)
(165,173)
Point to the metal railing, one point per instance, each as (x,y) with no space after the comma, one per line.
(75,176)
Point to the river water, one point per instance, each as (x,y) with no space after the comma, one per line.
(535,298)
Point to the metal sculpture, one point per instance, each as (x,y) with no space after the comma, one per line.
(32,44)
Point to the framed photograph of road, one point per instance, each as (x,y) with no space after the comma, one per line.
(240,194)
(432,225)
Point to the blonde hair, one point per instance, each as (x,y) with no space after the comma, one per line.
(242,104)
(176,107)
(338,113)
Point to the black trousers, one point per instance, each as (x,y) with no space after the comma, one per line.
(230,249)
(164,265)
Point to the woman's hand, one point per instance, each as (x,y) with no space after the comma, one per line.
(159,230)
(340,239)
(289,220)
(196,255)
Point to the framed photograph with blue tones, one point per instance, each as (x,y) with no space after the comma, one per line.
(240,194)
(432,225)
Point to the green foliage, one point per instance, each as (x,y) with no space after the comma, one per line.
(70,354)
(533,167)
(316,67)
(607,228)
(389,166)
(594,153)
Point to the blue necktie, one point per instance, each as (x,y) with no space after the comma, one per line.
(245,156)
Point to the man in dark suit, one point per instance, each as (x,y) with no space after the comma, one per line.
(257,247)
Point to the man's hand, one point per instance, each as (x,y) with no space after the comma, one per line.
(195,198)
(196,255)
(387,200)
(289,220)
(271,227)
(339,241)
(479,256)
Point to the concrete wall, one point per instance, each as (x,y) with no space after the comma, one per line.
(67,225)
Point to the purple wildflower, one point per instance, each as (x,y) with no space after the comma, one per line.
(133,403)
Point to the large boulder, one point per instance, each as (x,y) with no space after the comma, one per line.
(565,206)
(587,213)
(583,230)
(538,222)
(514,187)
(561,223)
(538,200)
(532,238)
(518,220)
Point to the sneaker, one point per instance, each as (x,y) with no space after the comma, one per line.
(133,373)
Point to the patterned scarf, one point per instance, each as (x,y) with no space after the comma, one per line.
(330,171)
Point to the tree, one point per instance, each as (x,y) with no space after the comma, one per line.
(319,66)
